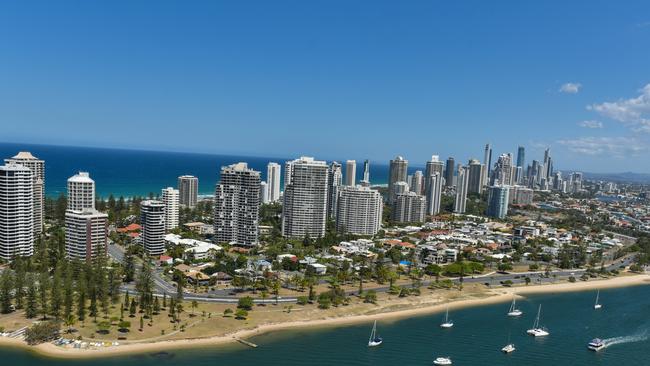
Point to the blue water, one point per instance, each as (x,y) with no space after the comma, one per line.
(476,339)
(136,173)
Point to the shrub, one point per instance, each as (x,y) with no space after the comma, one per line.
(245,303)
(303,300)
(241,314)
(42,332)
(370,297)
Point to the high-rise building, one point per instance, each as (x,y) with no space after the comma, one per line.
(475,184)
(416,182)
(503,171)
(37,166)
(400,187)
(237,205)
(171,198)
(86,229)
(432,166)
(461,189)
(273,182)
(521,157)
(305,199)
(188,190)
(366,173)
(350,172)
(520,195)
(334,182)
(81,192)
(17,230)
(86,234)
(434,194)
(397,172)
(487,161)
(498,197)
(359,210)
(449,172)
(547,169)
(409,207)
(264,192)
(152,220)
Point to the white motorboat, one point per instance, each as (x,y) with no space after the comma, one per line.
(442,361)
(508,348)
(596,344)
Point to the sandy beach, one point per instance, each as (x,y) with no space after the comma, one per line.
(491,297)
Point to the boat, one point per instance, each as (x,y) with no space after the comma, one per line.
(508,348)
(447,323)
(536,330)
(597,305)
(596,344)
(442,361)
(374,339)
(513,308)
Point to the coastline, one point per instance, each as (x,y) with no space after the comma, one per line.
(494,296)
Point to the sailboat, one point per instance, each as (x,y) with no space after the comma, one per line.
(513,308)
(538,331)
(508,348)
(374,339)
(597,305)
(447,323)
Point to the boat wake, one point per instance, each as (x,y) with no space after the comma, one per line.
(625,339)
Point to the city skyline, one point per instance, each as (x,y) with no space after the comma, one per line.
(357,70)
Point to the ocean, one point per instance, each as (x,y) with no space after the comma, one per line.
(475,340)
(137,173)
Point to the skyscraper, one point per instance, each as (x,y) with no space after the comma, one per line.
(16,211)
(487,161)
(366,172)
(475,184)
(152,220)
(397,172)
(416,182)
(359,210)
(461,189)
(86,229)
(521,156)
(503,173)
(273,181)
(409,207)
(264,193)
(236,205)
(498,197)
(350,172)
(37,166)
(449,172)
(188,190)
(432,166)
(86,234)
(334,182)
(81,192)
(171,198)
(434,194)
(305,199)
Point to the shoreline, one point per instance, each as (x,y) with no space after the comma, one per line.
(494,296)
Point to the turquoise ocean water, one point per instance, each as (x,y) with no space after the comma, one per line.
(136,172)
(476,339)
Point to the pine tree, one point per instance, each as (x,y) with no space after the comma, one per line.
(19,284)
(31,308)
(56,293)
(81,298)
(129,267)
(132,308)
(114,285)
(6,286)
(43,292)
(68,292)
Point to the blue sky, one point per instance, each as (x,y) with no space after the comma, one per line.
(333,79)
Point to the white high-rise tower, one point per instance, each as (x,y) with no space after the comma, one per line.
(170,198)
(16,211)
(273,182)
(350,173)
(37,166)
(81,192)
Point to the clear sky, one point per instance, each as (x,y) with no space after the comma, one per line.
(333,79)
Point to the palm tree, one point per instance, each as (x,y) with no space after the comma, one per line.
(69,322)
